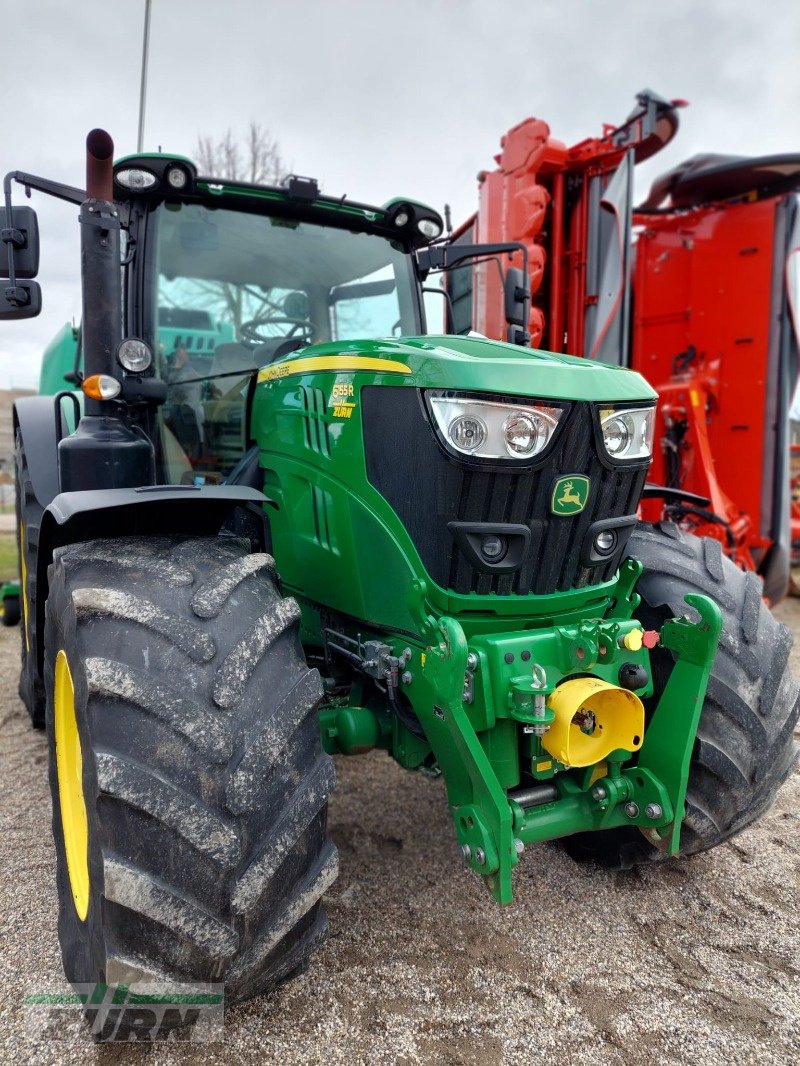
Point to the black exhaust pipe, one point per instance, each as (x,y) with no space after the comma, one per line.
(101,323)
(104,452)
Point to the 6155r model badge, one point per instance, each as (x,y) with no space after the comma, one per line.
(570,494)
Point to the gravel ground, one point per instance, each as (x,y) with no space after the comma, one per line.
(695,961)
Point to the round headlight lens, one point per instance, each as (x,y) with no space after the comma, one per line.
(617,433)
(429,228)
(401,218)
(134,355)
(467,432)
(628,434)
(177,177)
(493,548)
(524,434)
(605,541)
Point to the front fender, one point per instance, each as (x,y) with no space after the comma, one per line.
(153,510)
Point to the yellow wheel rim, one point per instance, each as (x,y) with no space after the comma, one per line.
(69,765)
(24,582)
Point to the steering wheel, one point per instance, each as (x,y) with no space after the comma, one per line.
(251,330)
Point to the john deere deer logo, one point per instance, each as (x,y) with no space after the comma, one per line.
(570,495)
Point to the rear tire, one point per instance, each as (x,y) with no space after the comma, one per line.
(203,777)
(744,749)
(29,519)
(10,616)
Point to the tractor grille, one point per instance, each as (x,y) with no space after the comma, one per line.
(428,489)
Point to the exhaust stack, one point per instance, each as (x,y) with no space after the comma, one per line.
(101,325)
(104,452)
(99,166)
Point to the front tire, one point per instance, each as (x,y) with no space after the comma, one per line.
(29,520)
(203,786)
(744,749)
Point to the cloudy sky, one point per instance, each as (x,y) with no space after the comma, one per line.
(372,97)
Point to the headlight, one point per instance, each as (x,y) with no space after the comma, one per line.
(430,228)
(488,429)
(136,178)
(628,433)
(177,178)
(134,355)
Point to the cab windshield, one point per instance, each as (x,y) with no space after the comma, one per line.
(235,291)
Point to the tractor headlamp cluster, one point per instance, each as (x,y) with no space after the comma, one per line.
(488,429)
(628,432)
(416,222)
(154,173)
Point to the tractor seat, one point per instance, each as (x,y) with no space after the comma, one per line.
(233,359)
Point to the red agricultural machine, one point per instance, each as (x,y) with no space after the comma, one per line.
(696,288)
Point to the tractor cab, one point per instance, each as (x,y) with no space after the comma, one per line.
(272,285)
(223,278)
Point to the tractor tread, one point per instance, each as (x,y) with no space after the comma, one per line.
(712,558)
(138,891)
(316,882)
(270,851)
(751,608)
(291,962)
(124,968)
(210,851)
(187,636)
(207,731)
(135,784)
(210,598)
(97,553)
(240,662)
(268,746)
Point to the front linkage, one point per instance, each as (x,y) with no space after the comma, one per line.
(568,691)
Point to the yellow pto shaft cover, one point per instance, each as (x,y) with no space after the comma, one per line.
(593,718)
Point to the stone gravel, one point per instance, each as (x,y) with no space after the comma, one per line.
(688,962)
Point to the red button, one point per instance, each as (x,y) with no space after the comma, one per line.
(650,638)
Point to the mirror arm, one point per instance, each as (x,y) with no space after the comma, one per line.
(13,238)
(45,185)
(8,236)
(445,256)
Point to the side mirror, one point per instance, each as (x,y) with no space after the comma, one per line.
(23,238)
(517,305)
(22,300)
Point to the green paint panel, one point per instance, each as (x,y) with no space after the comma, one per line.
(58,360)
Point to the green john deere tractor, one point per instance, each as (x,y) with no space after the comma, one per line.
(270,519)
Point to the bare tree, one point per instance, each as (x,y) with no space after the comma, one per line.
(256,158)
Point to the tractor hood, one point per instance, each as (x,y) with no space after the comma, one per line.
(467,363)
